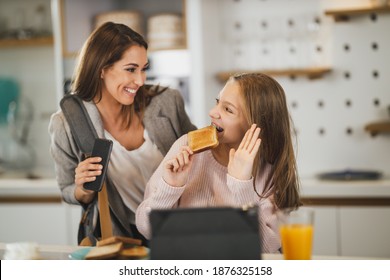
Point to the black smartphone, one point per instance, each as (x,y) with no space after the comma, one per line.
(101,148)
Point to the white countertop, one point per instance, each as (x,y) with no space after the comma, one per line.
(315,188)
(62,252)
(312,188)
(29,187)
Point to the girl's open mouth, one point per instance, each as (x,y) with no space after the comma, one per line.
(219,129)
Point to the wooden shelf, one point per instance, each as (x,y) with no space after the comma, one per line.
(311,73)
(42,41)
(344,14)
(378,127)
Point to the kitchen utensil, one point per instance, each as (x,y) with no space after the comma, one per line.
(350,175)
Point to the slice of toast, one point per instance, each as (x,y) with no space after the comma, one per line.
(203,139)
(105,252)
(135,252)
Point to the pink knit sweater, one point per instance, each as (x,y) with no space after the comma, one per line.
(209,185)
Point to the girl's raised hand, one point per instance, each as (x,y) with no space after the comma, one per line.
(241,160)
(176,170)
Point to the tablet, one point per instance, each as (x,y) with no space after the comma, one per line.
(220,233)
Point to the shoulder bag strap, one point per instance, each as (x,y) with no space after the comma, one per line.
(79,121)
(85,134)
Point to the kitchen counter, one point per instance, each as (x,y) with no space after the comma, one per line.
(29,190)
(349,189)
(62,252)
(315,192)
(310,189)
(30,187)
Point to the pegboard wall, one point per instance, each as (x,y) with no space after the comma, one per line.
(329,113)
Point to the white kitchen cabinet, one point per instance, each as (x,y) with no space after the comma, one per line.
(365,231)
(44,223)
(32,210)
(326,231)
(352,231)
(73,215)
(351,217)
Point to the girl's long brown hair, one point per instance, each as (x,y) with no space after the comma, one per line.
(265,104)
(103,48)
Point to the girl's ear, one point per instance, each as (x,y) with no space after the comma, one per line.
(102,74)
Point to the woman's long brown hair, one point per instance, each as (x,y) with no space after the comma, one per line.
(265,104)
(103,48)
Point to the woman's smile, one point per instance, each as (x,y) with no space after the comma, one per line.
(130,92)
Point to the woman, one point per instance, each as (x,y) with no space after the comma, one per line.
(254,162)
(142,121)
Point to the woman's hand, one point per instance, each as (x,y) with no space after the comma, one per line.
(86,171)
(241,160)
(176,170)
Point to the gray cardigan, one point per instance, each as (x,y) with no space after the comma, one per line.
(165,119)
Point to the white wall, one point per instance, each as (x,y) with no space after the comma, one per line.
(329,113)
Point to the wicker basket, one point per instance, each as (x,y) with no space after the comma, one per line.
(133,19)
(165,31)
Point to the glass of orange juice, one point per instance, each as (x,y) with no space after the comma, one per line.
(296,232)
